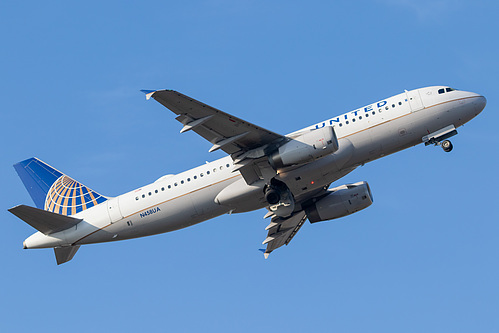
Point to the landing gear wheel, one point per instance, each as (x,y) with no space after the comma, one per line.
(272,196)
(446,146)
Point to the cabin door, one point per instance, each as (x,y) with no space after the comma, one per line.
(414,100)
(113,209)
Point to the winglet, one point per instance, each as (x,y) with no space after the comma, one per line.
(265,254)
(148,93)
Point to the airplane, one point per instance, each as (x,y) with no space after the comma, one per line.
(289,175)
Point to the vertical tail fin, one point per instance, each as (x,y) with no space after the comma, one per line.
(53,191)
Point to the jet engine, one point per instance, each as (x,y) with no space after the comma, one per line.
(305,148)
(341,201)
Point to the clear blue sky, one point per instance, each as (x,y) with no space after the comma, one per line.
(422,258)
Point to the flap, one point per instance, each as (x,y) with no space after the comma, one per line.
(282,231)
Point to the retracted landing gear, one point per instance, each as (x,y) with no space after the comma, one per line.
(439,138)
(279,198)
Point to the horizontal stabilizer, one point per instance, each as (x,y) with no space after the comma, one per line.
(65,254)
(44,221)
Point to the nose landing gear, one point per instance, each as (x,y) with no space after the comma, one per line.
(439,138)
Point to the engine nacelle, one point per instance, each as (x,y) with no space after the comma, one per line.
(305,148)
(341,201)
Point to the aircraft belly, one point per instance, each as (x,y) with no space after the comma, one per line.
(365,145)
(392,136)
(203,201)
(179,213)
(242,197)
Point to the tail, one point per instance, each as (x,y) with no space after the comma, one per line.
(53,191)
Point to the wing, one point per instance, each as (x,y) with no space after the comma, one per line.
(244,141)
(281,231)
(226,132)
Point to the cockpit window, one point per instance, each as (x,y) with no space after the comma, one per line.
(444,90)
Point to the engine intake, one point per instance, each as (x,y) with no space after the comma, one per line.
(305,148)
(341,201)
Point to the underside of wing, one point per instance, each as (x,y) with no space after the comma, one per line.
(282,230)
(224,131)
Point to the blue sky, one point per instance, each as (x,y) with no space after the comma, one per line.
(423,257)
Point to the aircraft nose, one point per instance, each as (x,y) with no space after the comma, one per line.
(480,103)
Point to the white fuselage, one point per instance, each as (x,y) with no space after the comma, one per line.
(178,201)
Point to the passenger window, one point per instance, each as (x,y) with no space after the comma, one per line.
(227,165)
(441,91)
(156,191)
(162,189)
(181,182)
(150,193)
(393,105)
(143,195)
(360,117)
(346,122)
(207,172)
(175,184)
(353,120)
(367,115)
(341,124)
(195,177)
(400,103)
(136,198)
(169,186)
(188,179)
